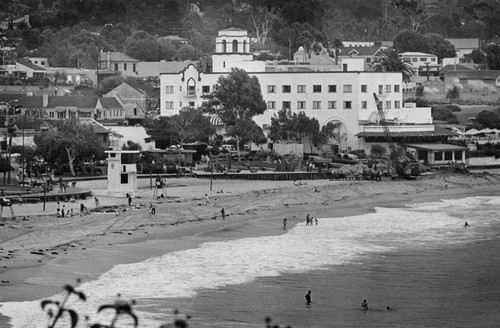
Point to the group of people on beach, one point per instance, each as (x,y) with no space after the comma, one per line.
(364,304)
(310,220)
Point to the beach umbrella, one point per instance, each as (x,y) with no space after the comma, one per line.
(472,132)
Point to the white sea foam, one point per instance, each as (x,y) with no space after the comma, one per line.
(334,241)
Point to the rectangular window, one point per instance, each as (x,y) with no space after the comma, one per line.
(116,67)
(61,115)
(332,88)
(448,155)
(414,59)
(133,68)
(396,88)
(458,155)
(380,89)
(364,105)
(301,105)
(180,88)
(332,105)
(433,59)
(438,156)
(316,88)
(387,88)
(124,66)
(169,89)
(368,60)
(347,104)
(124,178)
(191,104)
(271,105)
(423,59)
(205,89)
(316,104)
(286,105)
(347,88)
(388,105)
(364,88)
(397,104)
(301,89)
(51,114)
(169,105)
(271,89)
(287,89)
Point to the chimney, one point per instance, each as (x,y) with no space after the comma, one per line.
(108,60)
(45,99)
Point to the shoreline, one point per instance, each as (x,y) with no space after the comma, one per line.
(248,216)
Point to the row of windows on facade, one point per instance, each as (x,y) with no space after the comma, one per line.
(302,88)
(417,59)
(85,114)
(448,155)
(301,105)
(125,67)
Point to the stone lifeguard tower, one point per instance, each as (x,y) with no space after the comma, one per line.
(122,173)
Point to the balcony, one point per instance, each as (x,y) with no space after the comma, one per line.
(190,94)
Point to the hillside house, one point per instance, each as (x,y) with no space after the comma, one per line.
(474,84)
(115,63)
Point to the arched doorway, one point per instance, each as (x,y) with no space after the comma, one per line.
(336,133)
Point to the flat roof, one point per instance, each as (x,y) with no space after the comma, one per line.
(438,131)
(436,146)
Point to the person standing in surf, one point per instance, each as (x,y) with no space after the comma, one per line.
(308,298)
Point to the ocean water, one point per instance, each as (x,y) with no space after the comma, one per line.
(281,265)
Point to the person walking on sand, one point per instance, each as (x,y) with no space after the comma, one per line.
(308,298)
(307,219)
(316,220)
(207,200)
(129,199)
(97,204)
(284,223)
(223,213)
(364,305)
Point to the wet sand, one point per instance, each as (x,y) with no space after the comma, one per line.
(44,252)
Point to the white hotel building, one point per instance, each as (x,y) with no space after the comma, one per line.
(344,96)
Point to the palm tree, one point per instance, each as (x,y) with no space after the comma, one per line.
(392,61)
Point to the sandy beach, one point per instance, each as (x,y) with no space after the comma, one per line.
(39,252)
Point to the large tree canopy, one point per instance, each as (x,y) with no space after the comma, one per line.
(189,125)
(236,99)
(68,141)
(236,96)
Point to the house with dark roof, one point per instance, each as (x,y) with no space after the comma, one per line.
(369,54)
(473,84)
(25,69)
(464,46)
(109,111)
(133,101)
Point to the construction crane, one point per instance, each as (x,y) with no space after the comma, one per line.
(402,165)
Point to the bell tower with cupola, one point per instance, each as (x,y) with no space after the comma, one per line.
(232,50)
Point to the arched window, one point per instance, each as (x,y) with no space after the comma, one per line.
(224,46)
(235,46)
(244,46)
(191,87)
